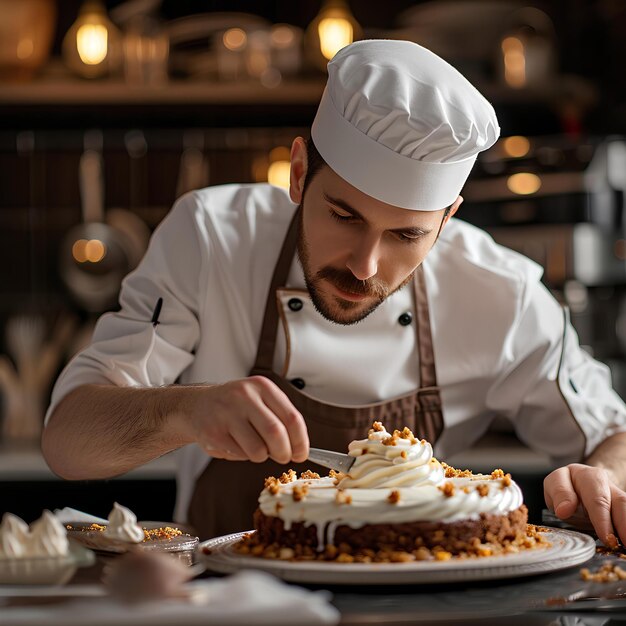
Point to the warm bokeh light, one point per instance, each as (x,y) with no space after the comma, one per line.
(514,62)
(523,183)
(95,250)
(278,173)
(235,39)
(92,43)
(92,250)
(516,146)
(334,33)
(282,36)
(78,251)
(281,153)
(25,48)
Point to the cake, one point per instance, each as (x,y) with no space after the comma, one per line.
(398,503)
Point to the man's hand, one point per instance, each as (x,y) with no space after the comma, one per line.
(591,488)
(247,420)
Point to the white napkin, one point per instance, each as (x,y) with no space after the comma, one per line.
(68,514)
(246,598)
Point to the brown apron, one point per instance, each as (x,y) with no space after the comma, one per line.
(226,493)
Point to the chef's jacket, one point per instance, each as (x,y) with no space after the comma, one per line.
(503,345)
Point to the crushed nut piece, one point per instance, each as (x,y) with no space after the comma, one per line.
(309,475)
(483,490)
(299,491)
(394,497)
(497,473)
(288,477)
(272,485)
(447,489)
(341,497)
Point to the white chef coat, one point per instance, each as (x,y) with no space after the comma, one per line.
(502,344)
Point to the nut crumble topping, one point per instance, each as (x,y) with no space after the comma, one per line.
(452,472)
(607,573)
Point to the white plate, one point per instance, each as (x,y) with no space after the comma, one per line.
(95,540)
(45,570)
(568,549)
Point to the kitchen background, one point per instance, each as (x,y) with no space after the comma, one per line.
(109,111)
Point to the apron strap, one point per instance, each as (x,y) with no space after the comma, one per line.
(425,346)
(265,351)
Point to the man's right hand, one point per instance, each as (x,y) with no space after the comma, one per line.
(247,420)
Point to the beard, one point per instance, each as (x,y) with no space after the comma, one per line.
(333,308)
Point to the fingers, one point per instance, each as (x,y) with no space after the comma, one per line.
(226,448)
(559,493)
(252,419)
(603,501)
(618,513)
(292,421)
(593,486)
(251,442)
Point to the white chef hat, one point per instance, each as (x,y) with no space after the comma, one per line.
(400,124)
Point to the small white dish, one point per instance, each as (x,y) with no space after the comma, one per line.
(45,570)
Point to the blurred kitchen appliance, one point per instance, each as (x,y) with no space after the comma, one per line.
(563,204)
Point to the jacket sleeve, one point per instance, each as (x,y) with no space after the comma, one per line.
(559,398)
(126,349)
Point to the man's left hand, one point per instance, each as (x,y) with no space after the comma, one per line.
(574,485)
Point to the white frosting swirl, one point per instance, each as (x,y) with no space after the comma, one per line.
(48,537)
(398,460)
(123,525)
(14,537)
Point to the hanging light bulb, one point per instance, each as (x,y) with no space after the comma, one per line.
(91,47)
(333,29)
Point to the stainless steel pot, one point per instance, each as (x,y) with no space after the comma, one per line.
(95,256)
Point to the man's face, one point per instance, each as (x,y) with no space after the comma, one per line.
(356,251)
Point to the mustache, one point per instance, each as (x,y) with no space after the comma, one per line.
(346,281)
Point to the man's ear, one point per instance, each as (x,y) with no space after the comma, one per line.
(452,209)
(298,170)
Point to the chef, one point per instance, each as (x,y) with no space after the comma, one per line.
(263,321)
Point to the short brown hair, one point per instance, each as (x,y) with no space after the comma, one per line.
(314,161)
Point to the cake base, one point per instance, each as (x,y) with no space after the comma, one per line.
(485,536)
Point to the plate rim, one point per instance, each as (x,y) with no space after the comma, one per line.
(189,544)
(415,572)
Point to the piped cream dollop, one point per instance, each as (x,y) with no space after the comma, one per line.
(46,537)
(123,525)
(385,460)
